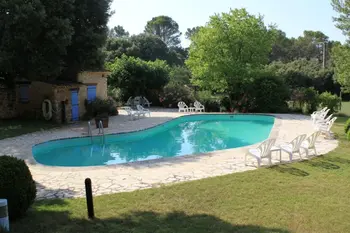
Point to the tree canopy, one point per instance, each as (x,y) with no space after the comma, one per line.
(229,49)
(43,40)
(166,28)
(118,31)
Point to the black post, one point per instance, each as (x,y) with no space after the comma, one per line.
(89,200)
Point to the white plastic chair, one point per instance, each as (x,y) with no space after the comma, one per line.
(326,127)
(142,110)
(146,102)
(309,143)
(261,152)
(137,100)
(293,147)
(199,107)
(132,113)
(182,107)
(130,101)
(319,116)
(320,122)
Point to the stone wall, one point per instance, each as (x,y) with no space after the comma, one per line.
(38,92)
(8,100)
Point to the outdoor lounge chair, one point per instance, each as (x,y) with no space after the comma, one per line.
(293,147)
(320,122)
(142,110)
(319,116)
(182,107)
(130,101)
(326,127)
(309,143)
(132,113)
(199,107)
(146,102)
(261,152)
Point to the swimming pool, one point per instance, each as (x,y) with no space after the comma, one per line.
(187,135)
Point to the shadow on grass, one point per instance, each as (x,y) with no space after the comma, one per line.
(135,222)
(321,164)
(337,160)
(289,170)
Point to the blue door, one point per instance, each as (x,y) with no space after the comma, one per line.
(91,93)
(75,105)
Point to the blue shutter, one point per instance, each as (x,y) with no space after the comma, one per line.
(75,105)
(24,93)
(91,93)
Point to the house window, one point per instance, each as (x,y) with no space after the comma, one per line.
(91,93)
(24,93)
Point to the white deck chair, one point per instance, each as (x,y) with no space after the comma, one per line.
(293,147)
(263,151)
(137,100)
(199,107)
(326,127)
(132,113)
(320,122)
(130,101)
(318,112)
(182,107)
(146,102)
(142,110)
(309,143)
(320,116)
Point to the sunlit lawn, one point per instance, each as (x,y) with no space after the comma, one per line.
(310,196)
(13,128)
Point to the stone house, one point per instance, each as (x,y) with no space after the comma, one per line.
(67,99)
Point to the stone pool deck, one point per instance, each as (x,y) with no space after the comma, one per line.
(62,182)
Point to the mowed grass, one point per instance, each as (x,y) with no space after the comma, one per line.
(345,108)
(309,196)
(13,128)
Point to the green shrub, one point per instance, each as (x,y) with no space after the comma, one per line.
(16,185)
(210,102)
(270,94)
(330,101)
(347,126)
(100,107)
(174,93)
(304,100)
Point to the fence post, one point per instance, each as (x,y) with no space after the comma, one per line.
(89,198)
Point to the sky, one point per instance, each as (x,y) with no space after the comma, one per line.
(291,16)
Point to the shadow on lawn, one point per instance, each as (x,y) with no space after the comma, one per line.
(290,170)
(135,222)
(321,164)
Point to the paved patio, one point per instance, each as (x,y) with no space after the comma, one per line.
(61,182)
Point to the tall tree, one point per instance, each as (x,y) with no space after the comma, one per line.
(281,48)
(34,36)
(342,7)
(166,28)
(229,50)
(89,20)
(41,39)
(117,32)
(191,31)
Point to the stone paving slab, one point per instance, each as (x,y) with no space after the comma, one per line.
(67,182)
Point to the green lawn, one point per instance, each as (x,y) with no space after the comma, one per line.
(309,196)
(13,128)
(345,108)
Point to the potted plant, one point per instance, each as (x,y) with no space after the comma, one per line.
(101,109)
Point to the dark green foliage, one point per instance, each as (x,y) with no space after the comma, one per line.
(305,99)
(175,92)
(348,136)
(16,185)
(210,102)
(147,47)
(330,101)
(136,77)
(270,94)
(42,40)
(347,126)
(100,107)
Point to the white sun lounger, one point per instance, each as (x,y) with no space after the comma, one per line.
(142,110)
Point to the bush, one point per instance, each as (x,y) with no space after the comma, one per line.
(348,136)
(330,101)
(347,126)
(210,102)
(270,94)
(135,77)
(106,107)
(16,185)
(174,93)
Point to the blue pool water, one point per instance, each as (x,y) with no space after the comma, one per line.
(183,136)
